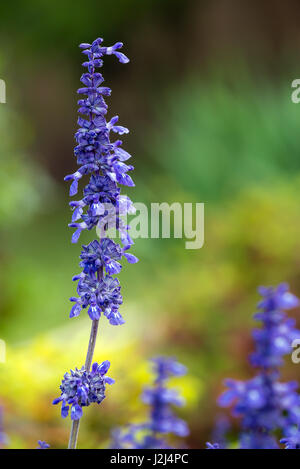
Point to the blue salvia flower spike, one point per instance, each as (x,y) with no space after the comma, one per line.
(102,206)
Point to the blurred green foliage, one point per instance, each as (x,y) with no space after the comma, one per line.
(51,24)
(23,185)
(219,134)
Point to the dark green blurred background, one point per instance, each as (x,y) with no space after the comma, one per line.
(207,98)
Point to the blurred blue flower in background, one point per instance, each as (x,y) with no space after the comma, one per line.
(43,445)
(162,420)
(263,403)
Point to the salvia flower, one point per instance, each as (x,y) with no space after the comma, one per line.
(100,158)
(165,367)
(162,420)
(100,296)
(160,398)
(102,205)
(263,403)
(43,445)
(80,388)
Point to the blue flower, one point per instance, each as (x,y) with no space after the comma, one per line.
(100,296)
(162,420)
(258,439)
(293,440)
(101,159)
(275,339)
(105,255)
(102,205)
(221,429)
(96,154)
(212,445)
(42,445)
(80,388)
(165,367)
(263,403)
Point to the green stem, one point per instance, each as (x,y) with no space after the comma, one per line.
(88,361)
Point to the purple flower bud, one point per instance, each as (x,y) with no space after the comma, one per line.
(131,258)
(84,45)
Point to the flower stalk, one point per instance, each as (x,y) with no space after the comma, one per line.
(89,358)
(101,207)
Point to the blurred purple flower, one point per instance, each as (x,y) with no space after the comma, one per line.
(292,441)
(165,367)
(162,420)
(42,445)
(221,429)
(212,446)
(263,403)
(274,339)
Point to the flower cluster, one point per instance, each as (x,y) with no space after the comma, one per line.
(98,293)
(274,339)
(80,388)
(102,205)
(160,398)
(263,403)
(43,445)
(162,420)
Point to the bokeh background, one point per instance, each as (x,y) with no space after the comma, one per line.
(207,97)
